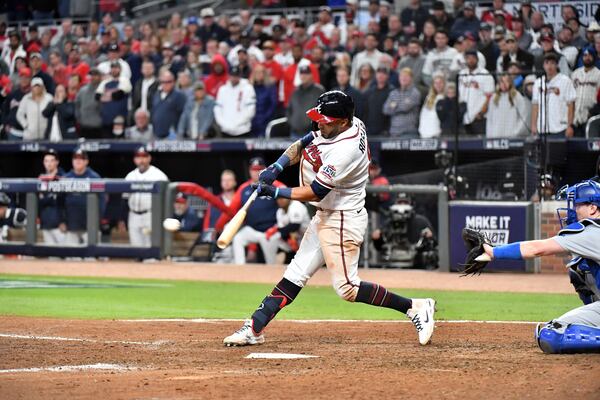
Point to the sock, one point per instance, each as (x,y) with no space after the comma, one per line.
(377,295)
(283,294)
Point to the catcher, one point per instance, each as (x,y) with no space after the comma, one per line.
(577,331)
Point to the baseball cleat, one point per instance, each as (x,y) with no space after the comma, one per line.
(422,319)
(244,336)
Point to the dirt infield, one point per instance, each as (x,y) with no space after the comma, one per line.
(184,360)
(408,279)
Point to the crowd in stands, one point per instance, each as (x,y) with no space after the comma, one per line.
(211,75)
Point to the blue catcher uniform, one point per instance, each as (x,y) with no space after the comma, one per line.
(578,331)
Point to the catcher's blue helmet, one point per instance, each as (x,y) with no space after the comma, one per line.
(583,192)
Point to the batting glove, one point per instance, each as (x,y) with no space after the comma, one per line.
(265,190)
(271,173)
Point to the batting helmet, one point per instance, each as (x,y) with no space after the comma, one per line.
(331,106)
(583,192)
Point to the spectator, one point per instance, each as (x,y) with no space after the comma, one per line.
(190,222)
(302,99)
(198,115)
(547,47)
(467,23)
(142,129)
(64,34)
(369,55)
(168,104)
(366,74)
(90,126)
(10,106)
(266,99)
(30,110)
(193,66)
(208,29)
(489,16)
(76,203)
(535,25)
(235,105)
(20,62)
(51,208)
(324,67)
(402,105)
(273,67)
(113,93)
(184,84)
(246,45)
(447,111)
(464,44)
(488,47)
(523,37)
(114,56)
(323,27)
(476,86)
(508,111)
(12,49)
(228,185)
(243,63)
(218,75)
(145,88)
(75,66)
(292,222)
(139,220)
(261,216)
(427,38)
(394,30)
(60,113)
(429,123)
(414,60)
(35,63)
(134,60)
(565,44)
(170,60)
(376,121)
(56,68)
(439,59)
(553,103)
(586,81)
(291,74)
(514,53)
(413,17)
(343,85)
(441,19)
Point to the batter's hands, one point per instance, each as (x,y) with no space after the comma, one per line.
(269,174)
(265,190)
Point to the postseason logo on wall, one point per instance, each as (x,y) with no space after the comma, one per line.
(496,228)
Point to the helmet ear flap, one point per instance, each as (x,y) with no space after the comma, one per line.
(314,126)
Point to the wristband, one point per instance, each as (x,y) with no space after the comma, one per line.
(284,192)
(282,162)
(510,251)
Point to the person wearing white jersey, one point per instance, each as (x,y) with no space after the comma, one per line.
(292,222)
(140,204)
(334,171)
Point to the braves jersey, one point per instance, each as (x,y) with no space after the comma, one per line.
(340,164)
(141,202)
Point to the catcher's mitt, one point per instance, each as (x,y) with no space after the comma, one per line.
(474,241)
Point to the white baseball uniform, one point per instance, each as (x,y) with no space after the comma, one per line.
(295,214)
(336,232)
(140,217)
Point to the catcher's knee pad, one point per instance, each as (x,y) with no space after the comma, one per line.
(346,290)
(554,338)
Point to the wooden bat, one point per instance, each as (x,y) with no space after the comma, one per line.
(236,222)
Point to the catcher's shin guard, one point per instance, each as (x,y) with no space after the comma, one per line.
(554,338)
(283,294)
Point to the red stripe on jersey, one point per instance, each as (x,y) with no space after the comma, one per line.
(328,186)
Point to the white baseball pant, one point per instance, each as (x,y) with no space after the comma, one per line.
(333,238)
(248,235)
(140,227)
(76,238)
(53,236)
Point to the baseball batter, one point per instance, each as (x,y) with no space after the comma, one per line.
(334,170)
(578,330)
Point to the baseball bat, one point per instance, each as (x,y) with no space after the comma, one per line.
(236,222)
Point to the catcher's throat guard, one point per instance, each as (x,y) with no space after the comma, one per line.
(583,192)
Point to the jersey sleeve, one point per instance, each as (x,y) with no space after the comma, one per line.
(334,170)
(583,244)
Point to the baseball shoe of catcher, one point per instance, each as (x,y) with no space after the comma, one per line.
(244,336)
(421,316)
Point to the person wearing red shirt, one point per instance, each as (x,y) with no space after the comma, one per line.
(291,76)
(218,75)
(498,7)
(275,69)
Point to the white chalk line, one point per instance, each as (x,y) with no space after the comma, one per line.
(68,339)
(70,368)
(319,321)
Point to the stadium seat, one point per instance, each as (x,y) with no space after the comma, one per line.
(278,128)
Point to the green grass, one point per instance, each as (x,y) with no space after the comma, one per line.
(190,299)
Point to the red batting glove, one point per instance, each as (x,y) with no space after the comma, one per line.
(271,231)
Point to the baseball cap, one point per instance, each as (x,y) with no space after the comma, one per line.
(438,5)
(257,164)
(234,70)
(80,153)
(470,36)
(192,20)
(181,198)
(141,152)
(115,64)
(469,5)
(37,81)
(167,46)
(95,71)
(113,47)
(35,54)
(50,152)
(593,27)
(510,36)
(199,85)
(485,26)
(305,69)
(207,12)
(471,52)
(529,79)
(25,71)
(325,8)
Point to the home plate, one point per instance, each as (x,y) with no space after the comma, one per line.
(279,356)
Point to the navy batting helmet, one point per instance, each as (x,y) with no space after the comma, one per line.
(581,193)
(331,106)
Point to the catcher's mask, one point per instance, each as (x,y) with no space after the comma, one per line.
(581,193)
